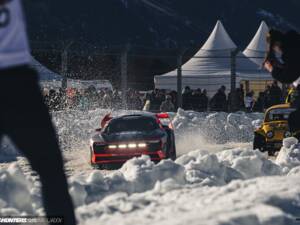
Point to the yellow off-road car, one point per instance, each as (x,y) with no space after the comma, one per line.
(268,137)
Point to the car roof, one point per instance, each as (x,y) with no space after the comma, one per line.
(143,114)
(281,106)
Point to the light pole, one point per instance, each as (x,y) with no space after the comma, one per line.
(64,64)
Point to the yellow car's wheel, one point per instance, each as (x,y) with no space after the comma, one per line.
(259,142)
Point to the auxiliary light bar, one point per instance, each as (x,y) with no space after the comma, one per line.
(130,145)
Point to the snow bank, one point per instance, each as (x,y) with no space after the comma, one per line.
(264,201)
(17,192)
(289,155)
(139,175)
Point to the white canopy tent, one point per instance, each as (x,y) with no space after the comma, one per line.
(257,48)
(211,66)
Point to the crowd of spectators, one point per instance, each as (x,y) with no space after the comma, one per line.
(89,99)
(161,100)
(197,100)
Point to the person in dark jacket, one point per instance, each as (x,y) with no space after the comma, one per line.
(203,101)
(218,102)
(282,62)
(259,105)
(187,98)
(275,94)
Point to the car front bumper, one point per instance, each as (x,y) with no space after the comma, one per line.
(119,158)
(273,146)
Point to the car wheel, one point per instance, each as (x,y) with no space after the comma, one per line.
(171,148)
(259,142)
(173,152)
(271,153)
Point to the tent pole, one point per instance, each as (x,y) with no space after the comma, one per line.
(64,64)
(124,76)
(232,100)
(179,80)
(64,68)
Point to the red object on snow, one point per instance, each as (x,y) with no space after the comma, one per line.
(105,120)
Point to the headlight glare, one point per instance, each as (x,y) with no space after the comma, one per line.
(122,146)
(132,145)
(112,146)
(142,145)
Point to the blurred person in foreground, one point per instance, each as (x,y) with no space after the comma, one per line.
(24,118)
(282,61)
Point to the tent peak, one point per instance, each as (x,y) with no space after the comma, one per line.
(258,43)
(219,39)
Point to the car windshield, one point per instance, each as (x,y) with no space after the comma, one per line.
(279,114)
(132,123)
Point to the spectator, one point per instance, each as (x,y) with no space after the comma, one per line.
(219,101)
(275,94)
(249,102)
(203,106)
(174,98)
(107,100)
(282,62)
(167,105)
(147,106)
(240,97)
(24,116)
(187,98)
(259,105)
(195,100)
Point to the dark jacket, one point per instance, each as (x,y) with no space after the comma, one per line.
(289,71)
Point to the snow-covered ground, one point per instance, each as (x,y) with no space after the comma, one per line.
(217,179)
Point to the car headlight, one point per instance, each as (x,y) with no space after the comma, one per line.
(142,145)
(112,146)
(287,134)
(270,134)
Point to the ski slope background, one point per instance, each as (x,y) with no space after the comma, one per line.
(217,178)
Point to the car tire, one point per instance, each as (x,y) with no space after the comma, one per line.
(173,154)
(171,147)
(259,142)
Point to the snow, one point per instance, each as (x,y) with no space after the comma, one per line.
(217,178)
(289,156)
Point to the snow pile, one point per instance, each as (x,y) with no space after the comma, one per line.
(17,192)
(193,128)
(289,155)
(237,186)
(141,174)
(264,201)
(198,167)
(137,175)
